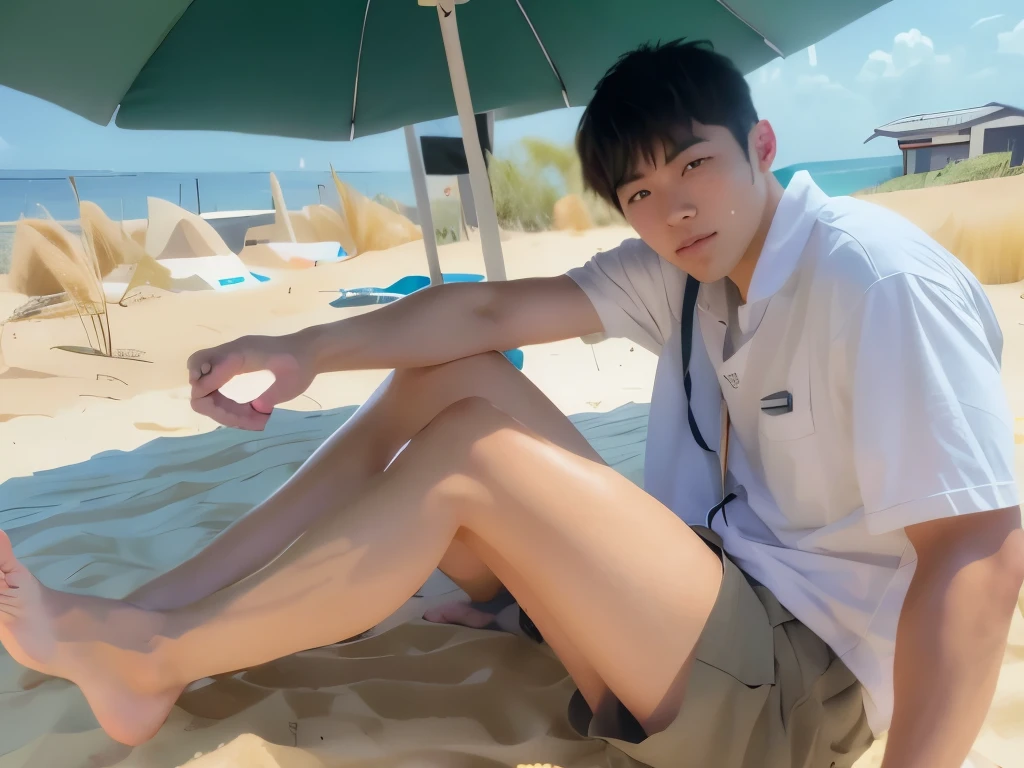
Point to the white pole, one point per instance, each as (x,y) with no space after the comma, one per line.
(494,263)
(419,185)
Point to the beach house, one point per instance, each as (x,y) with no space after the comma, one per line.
(933,141)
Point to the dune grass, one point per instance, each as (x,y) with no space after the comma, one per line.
(6,247)
(523,200)
(527,184)
(991,166)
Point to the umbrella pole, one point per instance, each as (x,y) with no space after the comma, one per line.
(494,263)
(419,185)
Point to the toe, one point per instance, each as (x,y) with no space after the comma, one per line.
(459,613)
(7,560)
(12,572)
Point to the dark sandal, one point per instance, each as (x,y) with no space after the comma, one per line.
(500,602)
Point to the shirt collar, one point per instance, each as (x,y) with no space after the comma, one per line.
(791,227)
(790,230)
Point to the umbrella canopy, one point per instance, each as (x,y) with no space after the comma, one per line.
(341,69)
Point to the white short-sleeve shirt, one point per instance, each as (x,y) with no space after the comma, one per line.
(890,352)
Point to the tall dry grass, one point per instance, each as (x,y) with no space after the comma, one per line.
(537,173)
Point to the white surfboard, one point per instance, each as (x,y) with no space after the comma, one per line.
(222,273)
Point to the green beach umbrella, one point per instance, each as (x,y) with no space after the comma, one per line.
(341,69)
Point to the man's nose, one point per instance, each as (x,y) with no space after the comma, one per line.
(680,211)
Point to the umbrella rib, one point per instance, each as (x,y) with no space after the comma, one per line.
(561,83)
(359,61)
(756,31)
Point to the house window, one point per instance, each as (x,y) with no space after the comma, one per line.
(936,157)
(1009,139)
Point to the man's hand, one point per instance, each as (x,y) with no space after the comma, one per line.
(210,369)
(430,327)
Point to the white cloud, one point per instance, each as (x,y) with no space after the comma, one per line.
(812,56)
(910,50)
(986,20)
(302,162)
(914,38)
(3,144)
(879,64)
(1012,42)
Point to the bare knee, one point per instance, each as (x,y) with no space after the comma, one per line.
(475,439)
(412,398)
(469,420)
(467,435)
(468,408)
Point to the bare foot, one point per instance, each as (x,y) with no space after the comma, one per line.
(500,613)
(460,613)
(100,645)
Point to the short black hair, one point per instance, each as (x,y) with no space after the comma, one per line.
(647,97)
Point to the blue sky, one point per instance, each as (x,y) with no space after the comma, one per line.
(909,56)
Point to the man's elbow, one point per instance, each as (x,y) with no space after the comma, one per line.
(486,302)
(983,553)
(1006,571)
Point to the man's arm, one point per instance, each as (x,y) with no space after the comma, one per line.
(430,327)
(952,635)
(449,322)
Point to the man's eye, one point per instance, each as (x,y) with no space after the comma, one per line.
(639,196)
(695,164)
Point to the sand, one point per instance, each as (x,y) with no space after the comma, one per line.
(979,221)
(108,479)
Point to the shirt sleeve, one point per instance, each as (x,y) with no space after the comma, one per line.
(632,293)
(932,427)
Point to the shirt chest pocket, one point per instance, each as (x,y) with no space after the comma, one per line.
(790,448)
(785,407)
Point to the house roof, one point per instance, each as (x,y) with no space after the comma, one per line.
(939,123)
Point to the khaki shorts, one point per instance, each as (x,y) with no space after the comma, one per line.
(764,691)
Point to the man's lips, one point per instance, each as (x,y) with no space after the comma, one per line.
(693,241)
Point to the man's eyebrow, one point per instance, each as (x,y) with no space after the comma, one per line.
(677,148)
(681,145)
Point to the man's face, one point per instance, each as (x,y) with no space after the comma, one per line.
(700,203)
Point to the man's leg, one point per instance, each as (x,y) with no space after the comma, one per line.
(592,557)
(339,470)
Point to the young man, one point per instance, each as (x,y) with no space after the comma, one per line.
(860,577)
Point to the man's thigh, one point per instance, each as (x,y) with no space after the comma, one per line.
(763,691)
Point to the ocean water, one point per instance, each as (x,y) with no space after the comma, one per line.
(123,195)
(844,177)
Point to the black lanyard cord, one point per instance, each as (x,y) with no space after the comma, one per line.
(686,334)
(686,342)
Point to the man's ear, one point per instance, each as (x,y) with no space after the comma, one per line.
(763,146)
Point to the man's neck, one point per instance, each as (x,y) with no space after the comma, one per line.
(743,272)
